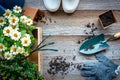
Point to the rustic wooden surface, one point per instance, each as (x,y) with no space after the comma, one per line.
(83,5)
(74,24)
(36,56)
(67,30)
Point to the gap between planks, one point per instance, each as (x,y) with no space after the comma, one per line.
(83,5)
(62,24)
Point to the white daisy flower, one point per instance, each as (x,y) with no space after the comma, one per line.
(7,31)
(17,9)
(20,50)
(8,56)
(7,13)
(13,50)
(25,41)
(2,21)
(13,20)
(27,36)
(2,47)
(29,22)
(15,27)
(15,35)
(23,19)
(26,54)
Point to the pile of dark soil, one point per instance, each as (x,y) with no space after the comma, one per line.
(58,65)
(107,18)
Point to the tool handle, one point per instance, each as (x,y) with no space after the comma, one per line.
(117,35)
(114,37)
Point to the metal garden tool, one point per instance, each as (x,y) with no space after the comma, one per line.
(97,44)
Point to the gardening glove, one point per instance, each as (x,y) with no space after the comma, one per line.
(104,69)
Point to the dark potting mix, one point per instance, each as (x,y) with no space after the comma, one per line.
(107,18)
(58,65)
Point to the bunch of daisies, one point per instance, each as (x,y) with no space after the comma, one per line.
(16,36)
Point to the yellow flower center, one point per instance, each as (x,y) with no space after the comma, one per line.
(17,9)
(13,20)
(23,19)
(15,35)
(7,31)
(1,20)
(13,26)
(14,49)
(1,47)
(7,14)
(8,56)
(29,21)
(25,41)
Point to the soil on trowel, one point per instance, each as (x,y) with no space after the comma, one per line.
(107,18)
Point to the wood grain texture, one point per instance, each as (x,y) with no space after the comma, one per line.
(67,30)
(60,23)
(83,5)
(36,56)
(40,65)
(68,47)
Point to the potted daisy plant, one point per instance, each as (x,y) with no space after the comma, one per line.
(16,40)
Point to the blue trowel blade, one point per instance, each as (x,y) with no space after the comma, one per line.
(94,45)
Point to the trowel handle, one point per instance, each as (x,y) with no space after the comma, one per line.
(114,37)
(117,35)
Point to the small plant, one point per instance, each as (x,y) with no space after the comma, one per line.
(16,40)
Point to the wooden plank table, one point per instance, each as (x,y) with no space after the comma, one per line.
(68,32)
(84,4)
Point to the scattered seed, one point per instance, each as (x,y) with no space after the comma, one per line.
(58,65)
(54,21)
(79,67)
(74,57)
(79,42)
(88,25)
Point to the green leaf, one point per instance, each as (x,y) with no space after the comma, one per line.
(43,40)
(47,44)
(7,75)
(48,50)
(1,39)
(32,28)
(23,32)
(1,31)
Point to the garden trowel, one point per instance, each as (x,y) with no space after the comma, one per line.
(97,44)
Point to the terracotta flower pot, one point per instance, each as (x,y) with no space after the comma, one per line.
(35,13)
(107,18)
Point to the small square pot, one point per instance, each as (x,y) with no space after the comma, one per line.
(35,13)
(107,18)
